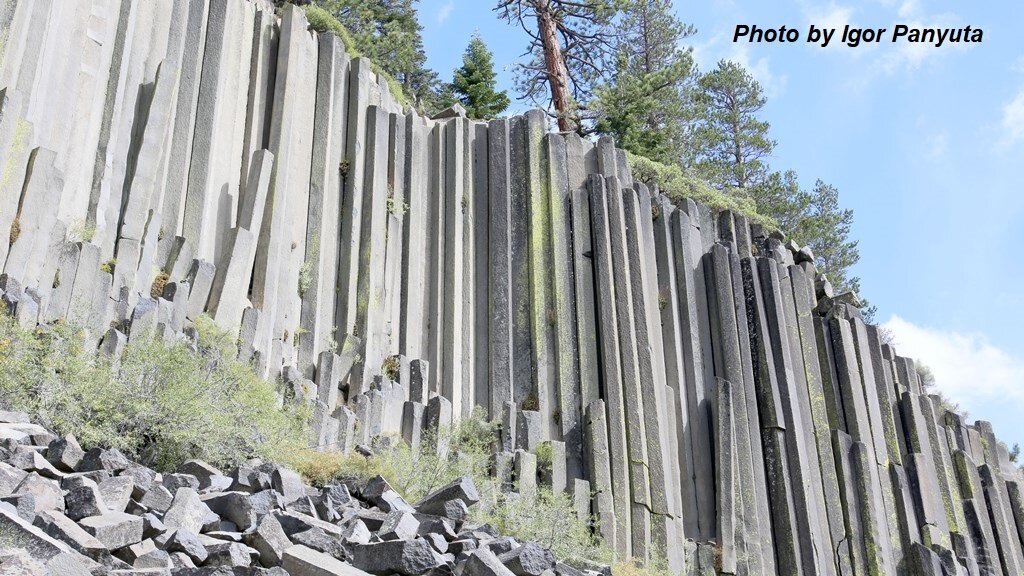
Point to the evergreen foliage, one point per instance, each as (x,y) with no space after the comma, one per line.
(388,32)
(571,47)
(733,143)
(474,83)
(813,218)
(648,103)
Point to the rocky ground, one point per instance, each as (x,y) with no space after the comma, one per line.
(67,511)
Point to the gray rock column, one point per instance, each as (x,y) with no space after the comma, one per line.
(599,471)
(353,167)
(539,261)
(450,374)
(671,324)
(481,252)
(320,262)
(412,329)
(581,159)
(611,362)
(29,239)
(563,304)
(500,350)
(698,402)
(369,323)
(636,425)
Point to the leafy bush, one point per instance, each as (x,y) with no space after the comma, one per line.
(320,468)
(549,519)
(162,403)
(676,184)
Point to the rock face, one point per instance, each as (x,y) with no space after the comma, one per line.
(323,533)
(686,377)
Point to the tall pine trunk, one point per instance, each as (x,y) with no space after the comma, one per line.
(558,77)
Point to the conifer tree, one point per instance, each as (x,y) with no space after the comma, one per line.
(813,218)
(571,47)
(389,33)
(732,141)
(474,83)
(648,104)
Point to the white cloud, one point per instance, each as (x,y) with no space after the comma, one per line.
(707,54)
(908,8)
(936,145)
(907,56)
(1013,120)
(832,16)
(445,11)
(773,85)
(968,368)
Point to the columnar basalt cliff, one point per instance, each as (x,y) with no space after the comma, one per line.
(696,380)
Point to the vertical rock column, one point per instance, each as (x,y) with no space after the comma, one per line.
(684,235)
(523,390)
(318,274)
(611,364)
(481,232)
(413,327)
(434,323)
(650,362)
(353,166)
(671,325)
(539,258)
(275,286)
(450,377)
(636,428)
(568,407)
(370,302)
(500,269)
(581,160)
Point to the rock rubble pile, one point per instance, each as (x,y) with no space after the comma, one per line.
(69,511)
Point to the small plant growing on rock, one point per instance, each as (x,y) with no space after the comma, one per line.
(530,402)
(108,266)
(305,278)
(391,368)
(15,231)
(157,289)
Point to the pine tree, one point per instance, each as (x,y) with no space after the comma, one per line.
(648,104)
(388,32)
(732,142)
(813,218)
(474,83)
(572,44)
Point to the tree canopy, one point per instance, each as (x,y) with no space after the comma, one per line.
(474,83)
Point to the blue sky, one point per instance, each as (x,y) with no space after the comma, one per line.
(925,144)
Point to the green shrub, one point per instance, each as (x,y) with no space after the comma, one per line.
(674,183)
(163,403)
(545,456)
(549,519)
(320,468)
